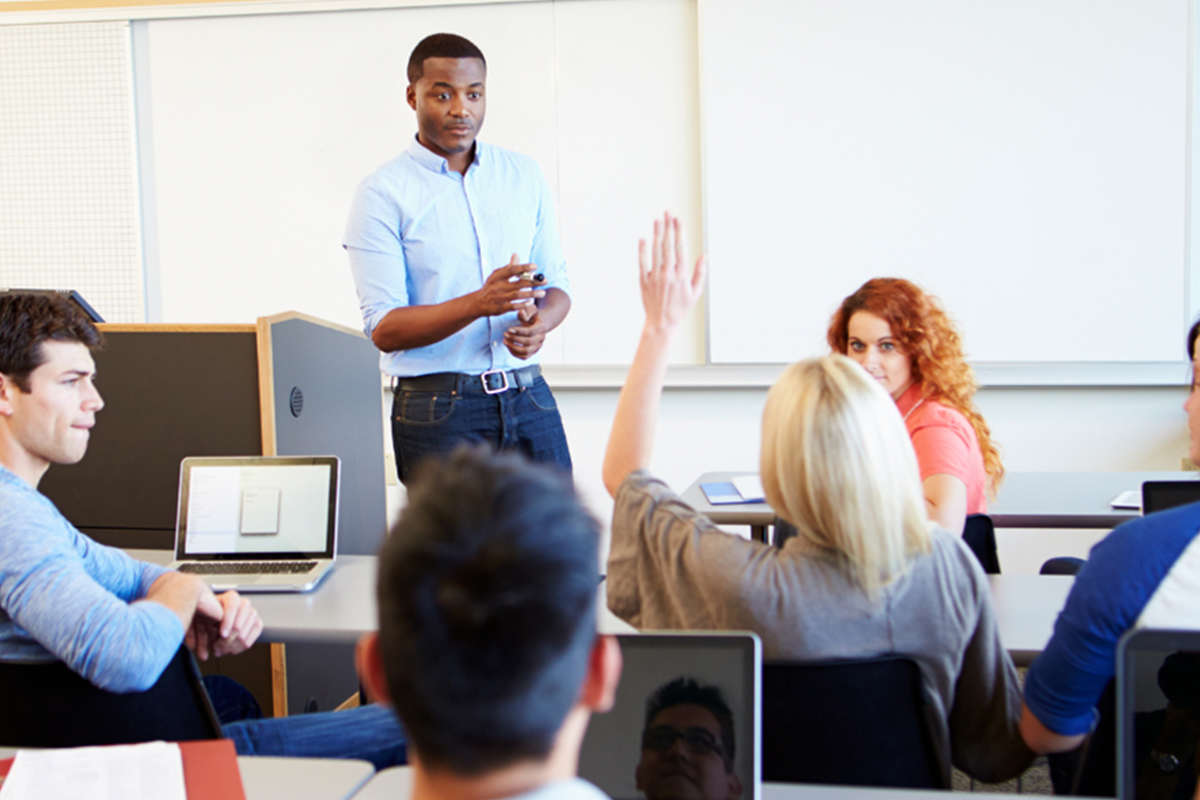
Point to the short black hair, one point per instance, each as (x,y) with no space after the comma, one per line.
(29,318)
(487,608)
(1191,340)
(441,45)
(688,691)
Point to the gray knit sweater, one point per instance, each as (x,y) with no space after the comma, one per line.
(671,567)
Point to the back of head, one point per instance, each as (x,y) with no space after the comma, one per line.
(837,463)
(487,592)
(440,45)
(29,318)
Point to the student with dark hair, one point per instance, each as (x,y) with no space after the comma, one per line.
(1145,574)
(688,744)
(487,645)
(114,620)
(455,253)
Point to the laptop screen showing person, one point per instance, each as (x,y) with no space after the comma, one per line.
(1158,714)
(683,750)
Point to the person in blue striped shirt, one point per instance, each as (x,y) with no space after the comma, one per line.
(1145,574)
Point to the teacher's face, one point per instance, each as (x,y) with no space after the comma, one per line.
(1192,406)
(870,342)
(449,101)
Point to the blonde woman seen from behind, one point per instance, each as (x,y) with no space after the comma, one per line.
(838,467)
(866,576)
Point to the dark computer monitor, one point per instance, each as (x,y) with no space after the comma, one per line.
(1158,714)
(70,294)
(1161,495)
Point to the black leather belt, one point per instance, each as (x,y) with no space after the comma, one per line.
(494,381)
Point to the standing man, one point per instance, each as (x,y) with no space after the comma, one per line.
(455,253)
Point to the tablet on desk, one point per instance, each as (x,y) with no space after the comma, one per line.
(742,489)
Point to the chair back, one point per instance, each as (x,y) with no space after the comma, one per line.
(980,535)
(853,722)
(50,705)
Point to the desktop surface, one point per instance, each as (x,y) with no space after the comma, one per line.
(1025,499)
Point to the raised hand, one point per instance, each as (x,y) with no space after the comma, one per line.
(669,289)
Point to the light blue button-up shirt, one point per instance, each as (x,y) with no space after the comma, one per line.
(420,233)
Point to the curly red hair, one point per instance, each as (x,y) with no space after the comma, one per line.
(924,331)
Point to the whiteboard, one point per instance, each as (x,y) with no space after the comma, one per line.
(1025,161)
(68,166)
(262,126)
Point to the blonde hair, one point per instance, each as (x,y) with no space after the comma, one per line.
(837,463)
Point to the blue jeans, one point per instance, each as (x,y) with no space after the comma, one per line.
(425,423)
(369,732)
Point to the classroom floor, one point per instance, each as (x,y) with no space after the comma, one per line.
(1035,780)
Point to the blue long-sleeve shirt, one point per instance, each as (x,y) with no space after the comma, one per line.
(63,596)
(420,233)
(1146,573)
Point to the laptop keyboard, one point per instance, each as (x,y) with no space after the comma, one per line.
(247,567)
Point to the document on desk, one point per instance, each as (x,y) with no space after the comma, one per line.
(1130,498)
(742,489)
(150,771)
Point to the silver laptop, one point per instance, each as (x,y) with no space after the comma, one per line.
(1158,714)
(618,749)
(258,523)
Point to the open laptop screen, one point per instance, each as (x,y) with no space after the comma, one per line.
(1158,714)
(1161,495)
(680,754)
(242,507)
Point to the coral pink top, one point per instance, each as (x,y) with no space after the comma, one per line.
(945,443)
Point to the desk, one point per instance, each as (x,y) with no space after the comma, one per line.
(342,608)
(268,777)
(1025,500)
(396,784)
(1026,608)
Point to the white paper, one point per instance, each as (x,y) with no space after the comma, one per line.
(260,511)
(750,488)
(150,771)
(1130,498)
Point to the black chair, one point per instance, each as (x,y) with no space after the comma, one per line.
(1061,565)
(781,531)
(49,705)
(980,535)
(851,722)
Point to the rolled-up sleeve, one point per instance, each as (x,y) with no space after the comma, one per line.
(372,241)
(546,251)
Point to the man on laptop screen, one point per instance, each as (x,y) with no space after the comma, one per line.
(115,621)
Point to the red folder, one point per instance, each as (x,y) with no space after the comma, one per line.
(210,770)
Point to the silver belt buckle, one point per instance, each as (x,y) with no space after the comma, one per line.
(487,389)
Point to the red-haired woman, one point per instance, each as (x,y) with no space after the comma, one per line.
(903,338)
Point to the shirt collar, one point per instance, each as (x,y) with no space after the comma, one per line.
(908,401)
(435,163)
